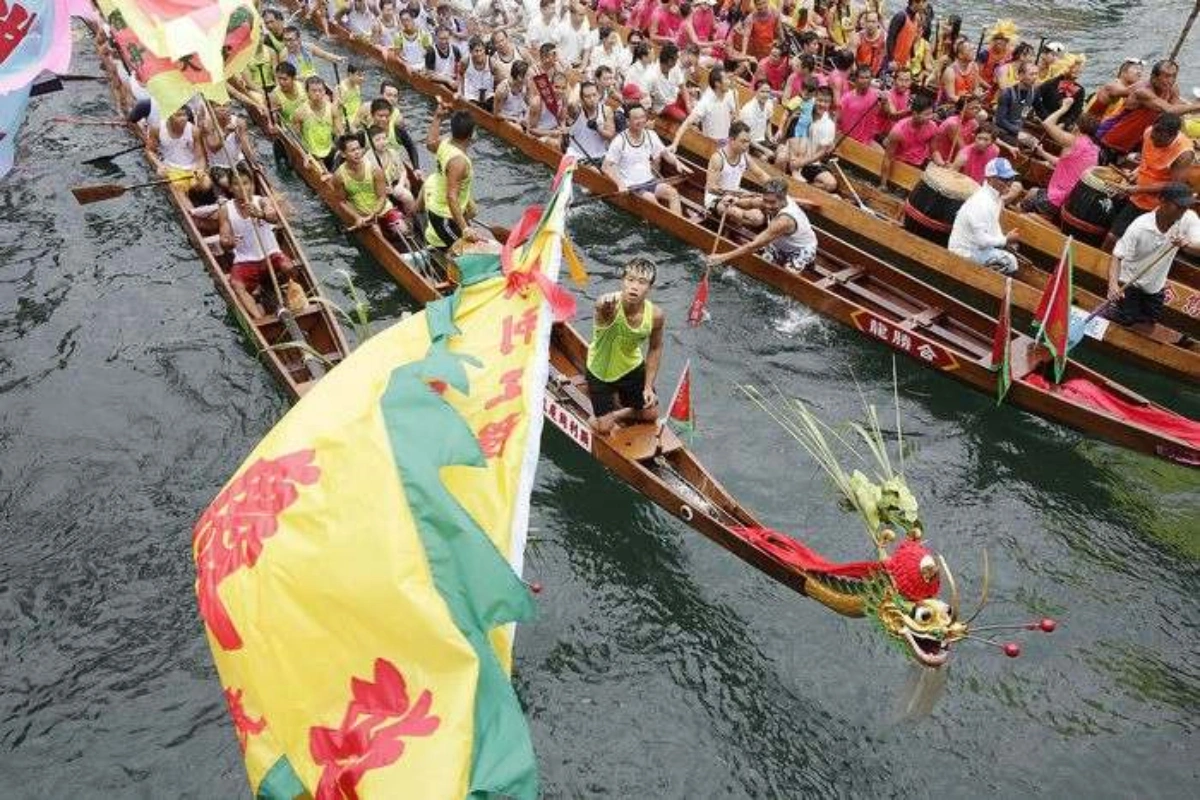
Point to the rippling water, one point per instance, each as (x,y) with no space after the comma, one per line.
(660,665)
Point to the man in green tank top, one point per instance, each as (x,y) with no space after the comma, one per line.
(448,201)
(317,124)
(620,379)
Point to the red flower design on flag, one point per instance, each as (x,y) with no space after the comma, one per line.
(230,534)
(494,435)
(243,724)
(371,735)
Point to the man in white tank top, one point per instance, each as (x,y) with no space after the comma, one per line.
(358,19)
(387,24)
(442,59)
(591,125)
(788,240)
(511,103)
(412,42)
(245,225)
(477,84)
(723,181)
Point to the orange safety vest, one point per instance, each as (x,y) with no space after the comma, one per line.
(1156,167)
(870,53)
(762,35)
(902,50)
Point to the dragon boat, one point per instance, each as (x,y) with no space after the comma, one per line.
(881,301)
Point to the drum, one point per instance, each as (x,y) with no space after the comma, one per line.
(935,200)
(1090,208)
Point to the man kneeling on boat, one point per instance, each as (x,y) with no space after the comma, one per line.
(788,239)
(246,229)
(620,379)
(364,191)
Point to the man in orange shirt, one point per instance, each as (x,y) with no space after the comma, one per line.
(1166,156)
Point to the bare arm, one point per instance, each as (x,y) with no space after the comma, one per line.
(433,137)
(780,226)
(889,154)
(224,229)
(654,355)
(456,172)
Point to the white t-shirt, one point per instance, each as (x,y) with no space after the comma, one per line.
(821,133)
(664,89)
(539,32)
(757,117)
(1143,242)
(714,114)
(632,161)
(639,74)
(618,60)
(572,42)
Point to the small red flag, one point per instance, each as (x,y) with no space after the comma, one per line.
(1000,344)
(697,312)
(1053,316)
(680,411)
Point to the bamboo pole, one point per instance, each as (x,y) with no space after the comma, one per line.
(1187,28)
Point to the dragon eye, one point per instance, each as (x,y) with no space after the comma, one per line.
(923,615)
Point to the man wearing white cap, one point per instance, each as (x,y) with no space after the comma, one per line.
(976,233)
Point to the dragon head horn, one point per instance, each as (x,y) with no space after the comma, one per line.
(954,609)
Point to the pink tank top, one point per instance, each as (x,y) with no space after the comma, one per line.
(914,143)
(1083,155)
(668,23)
(977,159)
(858,117)
(899,101)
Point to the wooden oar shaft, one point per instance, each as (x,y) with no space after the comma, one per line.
(108,123)
(94,193)
(639,187)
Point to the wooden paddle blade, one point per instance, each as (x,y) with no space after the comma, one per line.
(97,192)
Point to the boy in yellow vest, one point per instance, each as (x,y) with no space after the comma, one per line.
(620,379)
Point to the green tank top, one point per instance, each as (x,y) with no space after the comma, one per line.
(288,105)
(317,132)
(435,195)
(351,99)
(361,193)
(616,349)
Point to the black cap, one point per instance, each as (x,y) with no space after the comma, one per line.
(1179,194)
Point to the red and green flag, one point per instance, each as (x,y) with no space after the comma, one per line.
(1000,344)
(1053,316)
(697,312)
(681,414)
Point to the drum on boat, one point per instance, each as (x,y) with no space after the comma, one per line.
(935,200)
(1093,204)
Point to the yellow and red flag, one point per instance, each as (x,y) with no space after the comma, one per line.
(359,575)
(176,48)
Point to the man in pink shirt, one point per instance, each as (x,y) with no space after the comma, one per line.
(911,141)
(859,111)
(971,161)
(1078,153)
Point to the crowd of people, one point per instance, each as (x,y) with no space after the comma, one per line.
(784,80)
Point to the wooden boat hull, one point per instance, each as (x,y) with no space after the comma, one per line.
(292,366)
(858,290)
(916,254)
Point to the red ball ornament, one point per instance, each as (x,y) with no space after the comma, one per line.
(1012,649)
(1047,625)
(535,587)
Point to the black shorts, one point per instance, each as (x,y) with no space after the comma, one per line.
(810,171)
(445,228)
(1040,204)
(626,391)
(1137,306)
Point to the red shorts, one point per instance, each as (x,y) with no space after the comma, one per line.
(251,273)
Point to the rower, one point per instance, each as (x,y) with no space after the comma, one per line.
(411,43)
(448,202)
(395,170)
(859,110)
(591,125)
(301,56)
(446,18)
(911,140)
(349,93)
(869,45)
(1167,157)
(1123,131)
(504,55)
(723,181)
(288,96)
(715,110)
(757,113)
(477,84)
(1078,152)
(180,153)
(972,160)
(363,190)
(1150,243)
(511,102)
(222,139)
(442,59)
(575,37)
(545,115)
(960,78)
(976,234)
(809,153)
(1108,96)
(316,123)
(358,19)
(387,24)
(385,115)
(245,229)
(788,240)
(620,378)
(1016,103)
(632,157)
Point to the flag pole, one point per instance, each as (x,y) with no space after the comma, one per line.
(1187,28)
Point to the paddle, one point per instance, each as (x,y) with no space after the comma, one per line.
(277,146)
(108,123)
(637,187)
(696,310)
(105,159)
(85,195)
